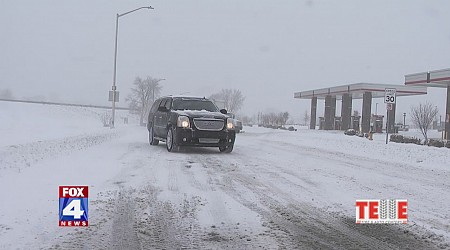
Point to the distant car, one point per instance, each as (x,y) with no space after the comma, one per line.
(350,132)
(190,121)
(291,128)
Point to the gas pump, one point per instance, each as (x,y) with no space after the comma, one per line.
(355,122)
(337,123)
(377,121)
(321,123)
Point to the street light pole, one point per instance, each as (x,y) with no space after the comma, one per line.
(114,87)
(376,108)
(114,76)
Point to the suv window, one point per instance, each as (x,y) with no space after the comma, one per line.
(163,103)
(155,106)
(194,104)
(168,103)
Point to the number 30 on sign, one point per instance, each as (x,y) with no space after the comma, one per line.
(389,95)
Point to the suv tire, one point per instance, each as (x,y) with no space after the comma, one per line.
(170,145)
(151,137)
(226,149)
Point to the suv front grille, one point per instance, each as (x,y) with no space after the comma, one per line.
(208,124)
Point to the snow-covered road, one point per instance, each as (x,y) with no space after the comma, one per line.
(278,189)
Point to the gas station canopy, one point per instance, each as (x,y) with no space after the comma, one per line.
(437,78)
(357,90)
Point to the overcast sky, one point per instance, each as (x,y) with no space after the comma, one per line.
(267,49)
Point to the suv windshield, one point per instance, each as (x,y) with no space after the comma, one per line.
(194,104)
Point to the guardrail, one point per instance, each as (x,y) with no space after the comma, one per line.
(63,104)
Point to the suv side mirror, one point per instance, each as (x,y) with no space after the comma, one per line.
(162,109)
(223,111)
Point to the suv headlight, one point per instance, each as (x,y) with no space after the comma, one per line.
(183,122)
(230,123)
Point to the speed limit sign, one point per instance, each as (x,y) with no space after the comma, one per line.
(389,96)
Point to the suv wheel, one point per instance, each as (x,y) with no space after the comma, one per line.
(170,140)
(226,149)
(151,137)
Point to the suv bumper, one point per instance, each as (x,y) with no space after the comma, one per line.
(197,138)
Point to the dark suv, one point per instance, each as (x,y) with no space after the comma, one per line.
(190,121)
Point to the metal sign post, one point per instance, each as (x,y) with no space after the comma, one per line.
(389,99)
(388,108)
(387,124)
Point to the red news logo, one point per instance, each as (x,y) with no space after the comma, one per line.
(73,192)
(381,211)
(73,206)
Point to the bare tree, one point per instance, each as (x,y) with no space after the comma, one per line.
(154,87)
(246,119)
(305,118)
(105,117)
(422,116)
(6,94)
(284,118)
(143,94)
(231,98)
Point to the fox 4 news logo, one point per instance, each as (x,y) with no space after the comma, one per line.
(73,206)
(381,211)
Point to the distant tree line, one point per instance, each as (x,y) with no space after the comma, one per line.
(273,119)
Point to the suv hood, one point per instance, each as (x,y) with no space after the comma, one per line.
(201,114)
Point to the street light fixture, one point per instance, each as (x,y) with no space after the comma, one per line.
(114,88)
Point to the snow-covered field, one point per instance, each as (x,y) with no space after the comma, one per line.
(277,189)
(27,122)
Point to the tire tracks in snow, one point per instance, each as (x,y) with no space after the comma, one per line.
(139,211)
(130,214)
(407,174)
(300,225)
(123,232)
